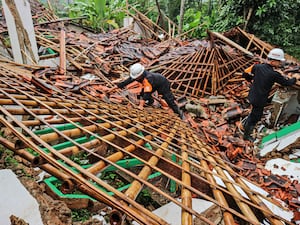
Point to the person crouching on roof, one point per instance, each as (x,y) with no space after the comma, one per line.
(151,82)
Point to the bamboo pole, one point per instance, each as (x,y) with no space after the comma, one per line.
(85,180)
(229,42)
(136,186)
(74,132)
(186,195)
(35,161)
(97,167)
(58,121)
(189,67)
(228,218)
(96,193)
(243,207)
(60,155)
(62,53)
(18,111)
(203,71)
(267,212)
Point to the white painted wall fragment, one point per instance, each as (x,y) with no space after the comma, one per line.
(280,144)
(17,41)
(171,212)
(283,167)
(286,214)
(16,200)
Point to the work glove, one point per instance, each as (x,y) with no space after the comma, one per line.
(247,76)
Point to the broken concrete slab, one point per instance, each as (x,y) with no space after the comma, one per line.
(17,199)
(287,214)
(280,140)
(284,168)
(172,212)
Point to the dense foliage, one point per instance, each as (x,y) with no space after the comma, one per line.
(274,21)
(98,15)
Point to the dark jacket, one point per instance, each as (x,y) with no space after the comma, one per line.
(151,82)
(264,78)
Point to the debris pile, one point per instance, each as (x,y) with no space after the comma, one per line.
(59,117)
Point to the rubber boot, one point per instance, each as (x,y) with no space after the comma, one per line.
(178,111)
(181,114)
(248,131)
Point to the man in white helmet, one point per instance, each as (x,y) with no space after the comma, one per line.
(264,76)
(151,82)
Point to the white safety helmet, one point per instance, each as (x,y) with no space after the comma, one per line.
(136,70)
(276,54)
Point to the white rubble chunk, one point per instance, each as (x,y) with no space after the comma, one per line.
(16,200)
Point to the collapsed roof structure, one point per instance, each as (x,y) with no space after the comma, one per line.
(60,119)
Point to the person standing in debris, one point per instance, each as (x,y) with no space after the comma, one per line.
(263,76)
(151,82)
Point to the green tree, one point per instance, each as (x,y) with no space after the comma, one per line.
(173,9)
(274,21)
(278,22)
(181,16)
(100,16)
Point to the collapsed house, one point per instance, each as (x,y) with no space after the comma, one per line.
(59,118)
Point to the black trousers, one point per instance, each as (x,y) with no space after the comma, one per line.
(170,99)
(255,115)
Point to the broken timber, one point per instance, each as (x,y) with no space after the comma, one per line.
(49,123)
(57,124)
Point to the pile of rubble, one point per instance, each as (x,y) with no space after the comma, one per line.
(70,84)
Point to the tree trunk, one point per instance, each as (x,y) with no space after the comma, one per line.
(210,3)
(181,17)
(248,18)
(160,20)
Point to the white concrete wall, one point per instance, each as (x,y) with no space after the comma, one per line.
(23,7)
